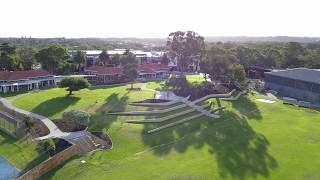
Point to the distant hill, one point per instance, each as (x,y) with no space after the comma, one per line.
(142,43)
(278,39)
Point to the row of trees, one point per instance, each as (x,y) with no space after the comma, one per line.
(188,48)
(54,59)
(226,62)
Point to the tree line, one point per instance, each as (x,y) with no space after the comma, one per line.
(226,62)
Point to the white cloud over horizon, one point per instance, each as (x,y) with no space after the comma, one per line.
(156,18)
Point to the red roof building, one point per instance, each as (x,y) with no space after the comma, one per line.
(112,75)
(104,75)
(15,81)
(153,72)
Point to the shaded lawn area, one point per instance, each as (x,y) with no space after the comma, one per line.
(53,102)
(252,140)
(21,154)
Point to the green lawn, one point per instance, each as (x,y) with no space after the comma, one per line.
(21,154)
(253,140)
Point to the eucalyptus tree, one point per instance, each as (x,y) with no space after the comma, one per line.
(186,48)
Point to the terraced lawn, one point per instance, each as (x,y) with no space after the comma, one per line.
(21,154)
(252,140)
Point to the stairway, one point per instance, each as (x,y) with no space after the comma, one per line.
(85,144)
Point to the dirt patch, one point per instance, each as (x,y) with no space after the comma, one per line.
(69,125)
(39,129)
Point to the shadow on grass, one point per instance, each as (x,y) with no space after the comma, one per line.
(41,158)
(50,174)
(247,108)
(240,152)
(55,105)
(113,103)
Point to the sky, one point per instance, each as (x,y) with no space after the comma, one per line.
(157,18)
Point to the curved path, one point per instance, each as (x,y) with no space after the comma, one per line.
(54,131)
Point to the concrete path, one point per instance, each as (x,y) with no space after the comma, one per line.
(54,131)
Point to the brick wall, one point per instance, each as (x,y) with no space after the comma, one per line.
(50,164)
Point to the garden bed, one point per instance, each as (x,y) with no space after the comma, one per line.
(39,129)
(107,142)
(69,126)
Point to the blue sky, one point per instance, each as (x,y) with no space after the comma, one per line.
(156,18)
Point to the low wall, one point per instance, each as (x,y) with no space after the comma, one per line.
(50,164)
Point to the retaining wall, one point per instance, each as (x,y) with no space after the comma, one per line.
(50,164)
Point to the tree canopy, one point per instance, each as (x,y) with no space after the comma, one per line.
(104,57)
(186,47)
(129,65)
(74,84)
(79,58)
(8,60)
(26,56)
(52,58)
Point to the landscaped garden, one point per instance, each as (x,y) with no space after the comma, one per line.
(251,140)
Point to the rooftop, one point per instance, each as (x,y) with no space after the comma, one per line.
(303,74)
(17,75)
(105,70)
(153,68)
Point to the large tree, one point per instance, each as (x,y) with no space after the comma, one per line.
(104,57)
(8,61)
(115,60)
(291,53)
(164,59)
(79,58)
(52,58)
(217,63)
(186,47)
(129,65)
(26,56)
(73,84)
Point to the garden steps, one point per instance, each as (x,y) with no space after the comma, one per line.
(162,119)
(234,98)
(214,96)
(85,144)
(150,112)
(160,104)
(175,123)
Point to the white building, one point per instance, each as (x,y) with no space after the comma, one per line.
(16,81)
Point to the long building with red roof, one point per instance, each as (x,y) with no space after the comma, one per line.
(16,81)
(112,75)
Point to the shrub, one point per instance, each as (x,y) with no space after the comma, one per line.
(79,117)
(50,146)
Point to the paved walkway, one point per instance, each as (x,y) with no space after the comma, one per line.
(54,131)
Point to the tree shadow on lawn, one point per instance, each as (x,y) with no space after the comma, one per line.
(55,105)
(247,108)
(113,103)
(240,152)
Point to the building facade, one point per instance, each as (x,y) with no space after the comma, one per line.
(104,75)
(18,81)
(300,83)
(113,75)
(149,72)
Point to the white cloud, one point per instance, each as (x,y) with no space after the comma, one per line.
(156,18)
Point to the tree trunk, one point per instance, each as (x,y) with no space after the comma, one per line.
(70,93)
(131,85)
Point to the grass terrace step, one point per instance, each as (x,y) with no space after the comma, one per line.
(162,119)
(175,123)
